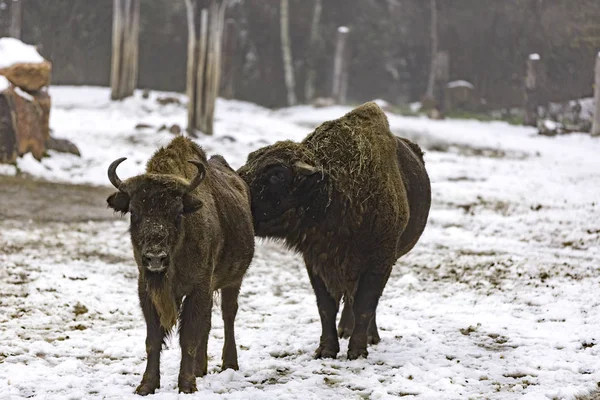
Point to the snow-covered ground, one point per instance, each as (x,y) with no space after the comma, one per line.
(499,300)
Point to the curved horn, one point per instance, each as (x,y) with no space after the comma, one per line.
(199,176)
(112,172)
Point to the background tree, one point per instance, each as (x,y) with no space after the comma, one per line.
(205,20)
(125,49)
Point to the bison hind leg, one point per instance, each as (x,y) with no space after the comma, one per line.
(346,325)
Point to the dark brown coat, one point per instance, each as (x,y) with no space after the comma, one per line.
(192,234)
(352,198)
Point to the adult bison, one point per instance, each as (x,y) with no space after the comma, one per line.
(352,198)
(191,231)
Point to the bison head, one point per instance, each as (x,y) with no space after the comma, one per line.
(287,188)
(156,203)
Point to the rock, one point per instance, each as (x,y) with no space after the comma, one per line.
(163,101)
(62,146)
(8,138)
(142,125)
(28,76)
(321,102)
(175,129)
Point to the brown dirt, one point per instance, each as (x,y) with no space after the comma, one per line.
(24,198)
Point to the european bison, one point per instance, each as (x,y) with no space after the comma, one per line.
(191,231)
(352,198)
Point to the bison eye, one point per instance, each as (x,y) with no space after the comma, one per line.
(277,179)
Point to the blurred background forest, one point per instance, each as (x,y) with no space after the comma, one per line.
(389,46)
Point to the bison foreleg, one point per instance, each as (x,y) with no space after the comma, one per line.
(193,336)
(328,308)
(229,308)
(366,298)
(155,335)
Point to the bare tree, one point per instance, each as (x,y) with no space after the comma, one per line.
(596,124)
(205,19)
(311,74)
(340,66)
(125,45)
(286,50)
(16,17)
(429,94)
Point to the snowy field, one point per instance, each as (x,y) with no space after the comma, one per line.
(499,300)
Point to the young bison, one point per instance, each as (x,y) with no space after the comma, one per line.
(191,231)
(352,198)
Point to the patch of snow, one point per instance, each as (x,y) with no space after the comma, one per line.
(381,103)
(23,94)
(415,107)
(13,51)
(4,83)
(550,125)
(460,83)
(343,29)
(497,300)
(534,56)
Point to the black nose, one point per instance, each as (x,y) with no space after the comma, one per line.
(155,262)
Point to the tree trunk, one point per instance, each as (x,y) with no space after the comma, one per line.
(434,50)
(340,67)
(311,74)
(16,18)
(596,123)
(531,90)
(204,62)
(286,50)
(230,49)
(125,45)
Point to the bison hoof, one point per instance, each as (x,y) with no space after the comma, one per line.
(187,387)
(354,354)
(326,352)
(373,339)
(146,388)
(344,332)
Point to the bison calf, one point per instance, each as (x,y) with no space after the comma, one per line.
(191,231)
(352,198)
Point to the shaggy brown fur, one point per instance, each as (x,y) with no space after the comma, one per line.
(352,198)
(187,242)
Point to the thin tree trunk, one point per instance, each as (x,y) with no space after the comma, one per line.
(229,60)
(117,37)
(434,50)
(286,50)
(202,72)
(16,18)
(125,45)
(135,39)
(192,65)
(596,123)
(309,89)
(340,69)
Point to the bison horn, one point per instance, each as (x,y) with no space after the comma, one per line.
(199,176)
(304,169)
(112,173)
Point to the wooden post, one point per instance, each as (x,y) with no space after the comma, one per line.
(286,50)
(340,68)
(531,90)
(430,92)
(125,45)
(596,122)
(206,21)
(442,76)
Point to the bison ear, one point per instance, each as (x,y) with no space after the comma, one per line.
(191,204)
(118,201)
(303,168)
